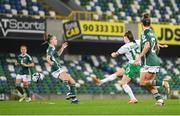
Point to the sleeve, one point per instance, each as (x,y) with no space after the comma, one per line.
(30,59)
(49,52)
(138,42)
(147,36)
(123,49)
(18,60)
(56,54)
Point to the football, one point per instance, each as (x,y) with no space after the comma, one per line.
(36,77)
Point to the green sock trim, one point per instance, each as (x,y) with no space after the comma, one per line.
(73,89)
(66,87)
(27,91)
(20,89)
(157,82)
(157,96)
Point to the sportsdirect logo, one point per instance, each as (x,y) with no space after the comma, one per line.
(18,26)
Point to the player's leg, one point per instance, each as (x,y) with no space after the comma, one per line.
(153,89)
(113,76)
(131,71)
(150,81)
(163,83)
(157,96)
(69,84)
(26,88)
(109,77)
(105,80)
(124,83)
(73,89)
(18,84)
(56,74)
(20,88)
(145,78)
(119,72)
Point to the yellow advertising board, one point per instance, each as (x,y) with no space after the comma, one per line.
(166,33)
(102,28)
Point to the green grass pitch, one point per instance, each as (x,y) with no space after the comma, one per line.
(89,107)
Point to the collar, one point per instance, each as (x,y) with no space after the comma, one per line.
(145,28)
(23,54)
(51,46)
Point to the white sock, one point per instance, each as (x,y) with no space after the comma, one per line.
(128,90)
(109,78)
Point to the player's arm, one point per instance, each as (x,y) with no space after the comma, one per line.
(162,45)
(115,54)
(64,45)
(159,46)
(48,59)
(122,50)
(16,63)
(30,64)
(144,51)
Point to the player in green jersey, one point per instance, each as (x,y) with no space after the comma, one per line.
(24,63)
(150,61)
(53,58)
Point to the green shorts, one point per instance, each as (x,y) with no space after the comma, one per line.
(131,70)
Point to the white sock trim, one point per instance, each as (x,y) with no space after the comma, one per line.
(109,78)
(128,90)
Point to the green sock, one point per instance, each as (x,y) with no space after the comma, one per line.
(20,89)
(73,89)
(27,91)
(157,96)
(157,83)
(66,87)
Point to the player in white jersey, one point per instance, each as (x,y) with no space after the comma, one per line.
(119,72)
(129,71)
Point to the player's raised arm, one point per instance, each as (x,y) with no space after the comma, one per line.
(114,54)
(162,45)
(128,37)
(64,45)
(159,46)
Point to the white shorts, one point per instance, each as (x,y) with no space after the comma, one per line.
(150,69)
(56,74)
(24,78)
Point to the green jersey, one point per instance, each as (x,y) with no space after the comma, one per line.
(24,59)
(54,56)
(151,58)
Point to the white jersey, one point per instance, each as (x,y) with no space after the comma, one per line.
(131,50)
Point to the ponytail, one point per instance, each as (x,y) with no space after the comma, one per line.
(47,38)
(146,21)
